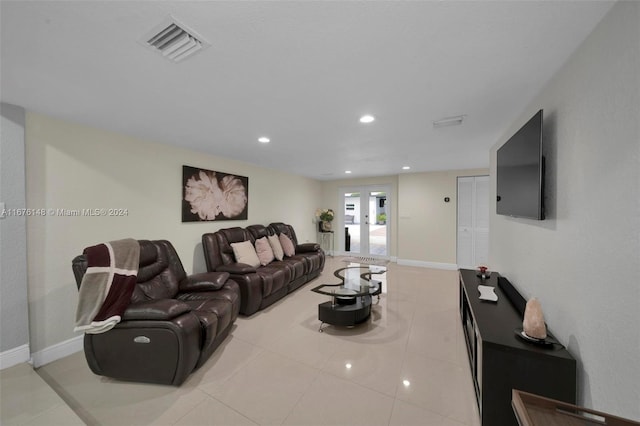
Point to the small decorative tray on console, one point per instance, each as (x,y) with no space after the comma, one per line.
(487,293)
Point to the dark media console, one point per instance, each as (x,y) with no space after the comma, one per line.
(501,361)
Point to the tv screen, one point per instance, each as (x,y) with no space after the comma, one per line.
(520,174)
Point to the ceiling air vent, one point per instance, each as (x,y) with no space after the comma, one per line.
(449,121)
(174,42)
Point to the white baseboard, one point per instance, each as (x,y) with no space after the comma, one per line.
(423,264)
(373,256)
(14,356)
(57,351)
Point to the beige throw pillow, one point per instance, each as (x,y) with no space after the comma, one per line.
(245,253)
(264,251)
(278,253)
(287,245)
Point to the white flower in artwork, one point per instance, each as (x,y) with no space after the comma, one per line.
(203,196)
(209,198)
(234,196)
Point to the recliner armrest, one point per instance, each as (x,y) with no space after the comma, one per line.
(159,310)
(236,268)
(307,247)
(206,281)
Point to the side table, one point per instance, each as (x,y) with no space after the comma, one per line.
(326,241)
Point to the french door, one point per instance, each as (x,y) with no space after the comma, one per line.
(365,219)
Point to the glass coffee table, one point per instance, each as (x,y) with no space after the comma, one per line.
(351,299)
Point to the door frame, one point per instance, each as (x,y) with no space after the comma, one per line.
(364,228)
(473,227)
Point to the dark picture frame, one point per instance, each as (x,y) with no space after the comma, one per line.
(209,195)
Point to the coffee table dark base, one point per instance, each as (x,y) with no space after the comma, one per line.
(345,314)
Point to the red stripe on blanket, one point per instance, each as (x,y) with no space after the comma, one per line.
(98,256)
(118,298)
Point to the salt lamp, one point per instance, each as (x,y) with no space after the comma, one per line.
(533,324)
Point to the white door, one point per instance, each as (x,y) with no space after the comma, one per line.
(365,219)
(473,221)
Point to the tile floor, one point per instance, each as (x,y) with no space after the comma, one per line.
(406,366)
(26,399)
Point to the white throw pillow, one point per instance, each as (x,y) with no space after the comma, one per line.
(287,245)
(264,251)
(276,246)
(245,253)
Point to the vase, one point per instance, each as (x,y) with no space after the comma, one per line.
(325,226)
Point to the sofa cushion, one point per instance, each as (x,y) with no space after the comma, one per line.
(229,292)
(221,308)
(274,277)
(208,318)
(276,246)
(297,267)
(287,245)
(264,251)
(244,252)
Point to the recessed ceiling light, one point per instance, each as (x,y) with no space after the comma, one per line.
(449,121)
(348,365)
(405,167)
(406,383)
(264,140)
(367,118)
(347,171)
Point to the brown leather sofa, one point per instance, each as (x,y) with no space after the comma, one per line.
(172,325)
(263,285)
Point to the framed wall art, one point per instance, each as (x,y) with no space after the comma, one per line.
(210,195)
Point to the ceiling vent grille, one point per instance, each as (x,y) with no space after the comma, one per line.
(449,121)
(174,42)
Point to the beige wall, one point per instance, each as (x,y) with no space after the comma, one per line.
(427,225)
(583,261)
(70,166)
(422,227)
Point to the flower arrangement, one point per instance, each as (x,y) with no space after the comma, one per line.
(325,215)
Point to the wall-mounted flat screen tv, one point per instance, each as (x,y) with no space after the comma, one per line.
(520,173)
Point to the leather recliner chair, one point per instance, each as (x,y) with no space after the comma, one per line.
(172,325)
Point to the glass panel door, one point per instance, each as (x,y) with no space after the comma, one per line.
(352,222)
(366,221)
(377,218)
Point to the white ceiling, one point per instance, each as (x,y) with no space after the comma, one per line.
(299,72)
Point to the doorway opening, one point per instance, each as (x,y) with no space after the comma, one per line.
(366,218)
